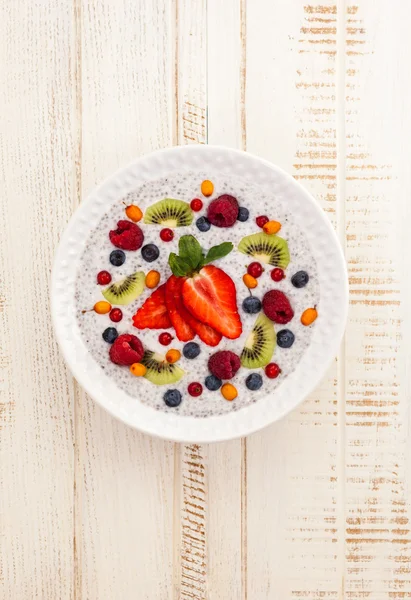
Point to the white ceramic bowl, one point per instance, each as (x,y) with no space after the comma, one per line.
(326,335)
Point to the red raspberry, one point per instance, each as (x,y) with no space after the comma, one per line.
(127,236)
(196,204)
(195,389)
(166,234)
(255,269)
(116,315)
(126,350)
(262,220)
(224,364)
(103,278)
(272,370)
(223,211)
(277,307)
(277,274)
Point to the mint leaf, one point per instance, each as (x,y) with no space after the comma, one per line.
(218,252)
(178,265)
(190,250)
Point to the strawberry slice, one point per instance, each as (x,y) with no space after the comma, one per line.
(176,309)
(210,296)
(153,314)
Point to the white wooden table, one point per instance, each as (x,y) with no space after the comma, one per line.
(314,507)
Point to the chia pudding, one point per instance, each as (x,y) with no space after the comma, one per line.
(289,297)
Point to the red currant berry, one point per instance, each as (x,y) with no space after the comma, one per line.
(195,389)
(262,220)
(277,274)
(196,204)
(166,235)
(165,338)
(103,278)
(116,315)
(272,370)
(255,269)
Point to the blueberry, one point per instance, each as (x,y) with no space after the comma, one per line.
(254,381)
(252,305)
(203,224)
(110,335)
(300,279)
(172,398)
(150,252)
(213,383)
(191,350)
(285,338)
(117,258)
(243,214)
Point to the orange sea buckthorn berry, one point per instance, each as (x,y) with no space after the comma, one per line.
(250,281)
(152,279)
(229,391)
(138,369)
(173,356)
(272,227)
(207,188)
(102,307)
(134,213)
(309,316)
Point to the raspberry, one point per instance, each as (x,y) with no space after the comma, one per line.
(223,211)
(277,307)
(126,350)
(224,364)
(127,236)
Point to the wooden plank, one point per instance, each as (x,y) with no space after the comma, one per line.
(37,150)
(124,479)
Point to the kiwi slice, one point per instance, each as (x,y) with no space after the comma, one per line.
(159,371)
(260,344)
(170,213)
(270,249)
(125,291)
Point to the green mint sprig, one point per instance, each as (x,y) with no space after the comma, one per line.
(190,257)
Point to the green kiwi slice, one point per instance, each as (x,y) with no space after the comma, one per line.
(169,213)
(159,371)
(125,291)
(260,344)
(269,249)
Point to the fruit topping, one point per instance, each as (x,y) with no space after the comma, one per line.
(126,350)
(172,398)
(103,278)
(138,369)
(262,220)
(309,316)
(150,252)
(272,370)
(243,214)
(207,188)
(195,389)
(229,392)
(134,213)
(173,356)
(285,338)
(213,383)
(167,234)
(250,281)
(127,236)
(254,381)
(224,364)
(277,274)
(153,314)
(300,279)
(110,335)
(125,291)
(176,309)
(170,213)
(271,227)
(159,370)
(116,315)
(260,344)
(223,211)
(117,258)
(165,338)
(203,224)
(269,249)
(101,308)
(252,305)
(255,269)
(277,307)
(196,204)
(152,279)
(191,350)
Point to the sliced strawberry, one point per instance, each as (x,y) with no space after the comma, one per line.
(207,334)
(153,314)
(210,296)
